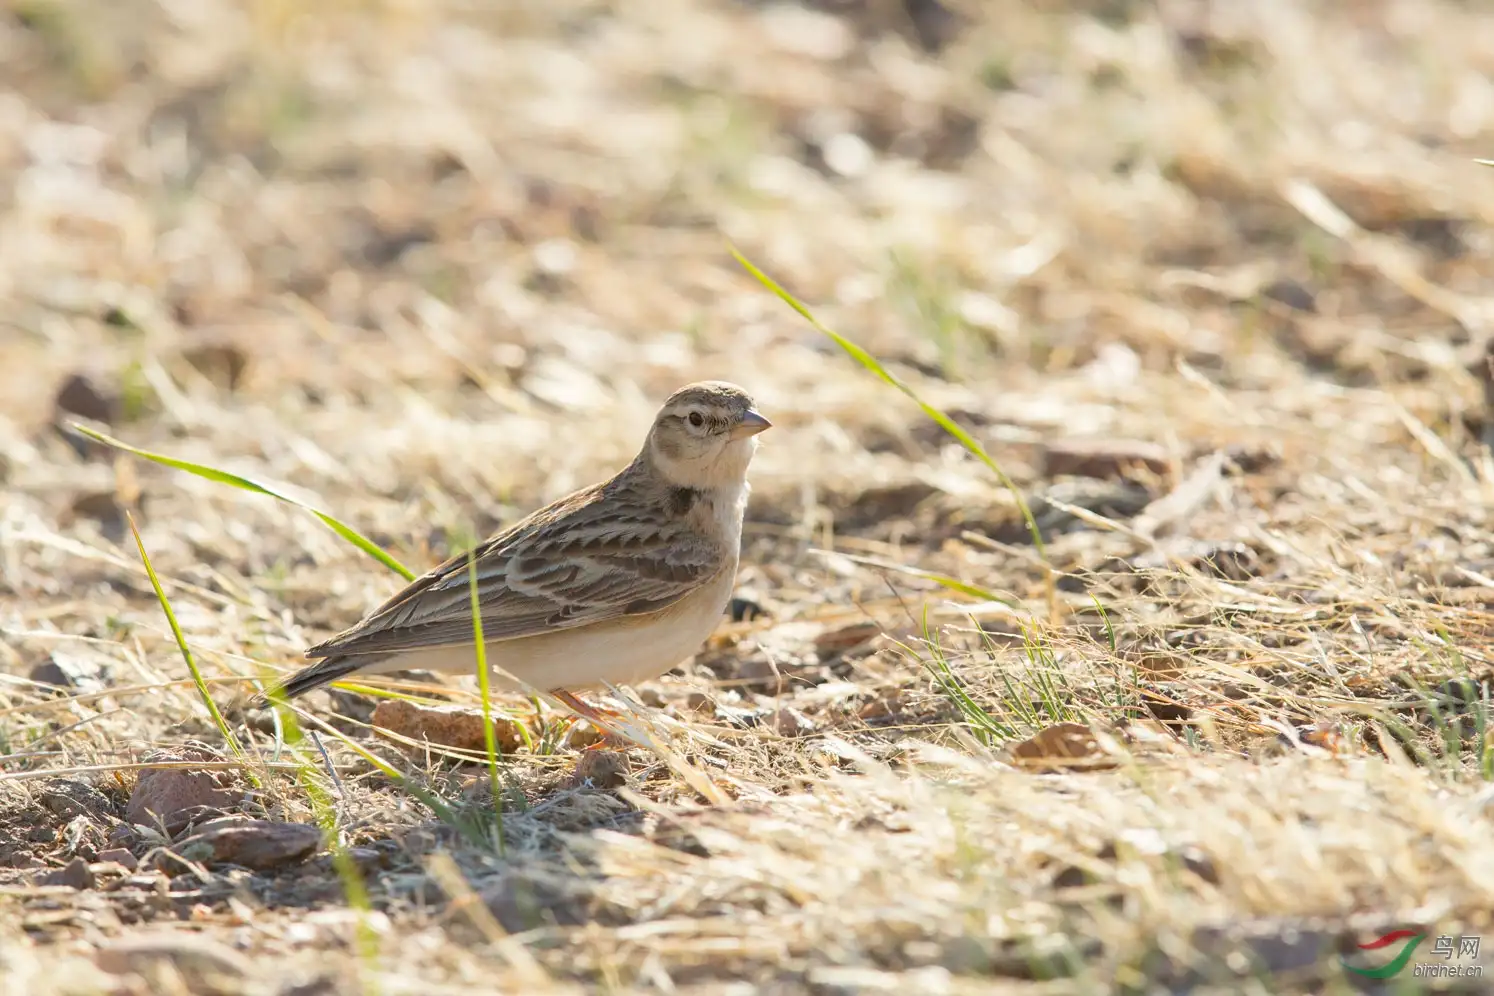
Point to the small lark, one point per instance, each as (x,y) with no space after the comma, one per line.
(616,583)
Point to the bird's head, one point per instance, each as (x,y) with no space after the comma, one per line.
(704,435)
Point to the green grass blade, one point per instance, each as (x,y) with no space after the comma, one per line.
(1105,618)
(386,693)
(944,580)
(964,588)
(977,719)
(872,364)
(484,682)
(347,532)
(181,643)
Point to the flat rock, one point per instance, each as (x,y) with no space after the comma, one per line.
(61,669)
(602,769)
(262,845)
(1062,747)
(68,798)
(790,722)
(173,796)
(120,856)
(80,395)
(449,726)
(75,873)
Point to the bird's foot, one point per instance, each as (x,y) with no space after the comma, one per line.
(599,717)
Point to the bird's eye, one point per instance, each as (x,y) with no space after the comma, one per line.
(696,419)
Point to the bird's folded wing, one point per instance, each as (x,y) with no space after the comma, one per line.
(576,569)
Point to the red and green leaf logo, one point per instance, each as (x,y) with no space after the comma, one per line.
(1411,937)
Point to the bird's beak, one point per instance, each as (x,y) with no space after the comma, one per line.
(752,423)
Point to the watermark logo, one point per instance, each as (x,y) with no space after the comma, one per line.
(1392,967)
(1447,946)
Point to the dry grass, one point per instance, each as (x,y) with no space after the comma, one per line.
(435,264)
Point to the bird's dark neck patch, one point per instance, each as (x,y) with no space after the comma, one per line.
(681,500)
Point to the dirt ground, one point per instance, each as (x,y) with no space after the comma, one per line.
(1209,282)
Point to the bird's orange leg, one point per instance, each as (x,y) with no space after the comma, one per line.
(597,717)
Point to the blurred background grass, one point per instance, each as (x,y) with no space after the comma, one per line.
(512,210)
(530,194)
(435,262)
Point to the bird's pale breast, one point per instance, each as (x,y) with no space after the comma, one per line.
(624,651)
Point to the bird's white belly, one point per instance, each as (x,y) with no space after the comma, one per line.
(623,652)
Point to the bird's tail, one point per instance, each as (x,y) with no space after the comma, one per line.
(313,676)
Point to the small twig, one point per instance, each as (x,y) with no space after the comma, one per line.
(342,796)
(327,760)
